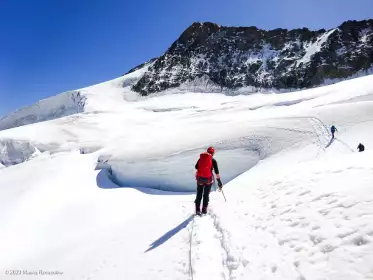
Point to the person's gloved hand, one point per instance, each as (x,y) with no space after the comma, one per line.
(220,184)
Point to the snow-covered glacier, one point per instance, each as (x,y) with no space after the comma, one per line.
(298,203)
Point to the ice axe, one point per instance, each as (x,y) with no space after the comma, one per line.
(221,190)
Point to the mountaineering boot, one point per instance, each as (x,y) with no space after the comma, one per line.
(198,210)
(204,210)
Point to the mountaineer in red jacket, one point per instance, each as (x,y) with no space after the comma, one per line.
(205,165)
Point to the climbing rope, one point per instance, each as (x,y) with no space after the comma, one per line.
(190,250)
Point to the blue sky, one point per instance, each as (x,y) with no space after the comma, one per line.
(50,46)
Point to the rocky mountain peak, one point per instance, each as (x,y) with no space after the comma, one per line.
(193,36)
(234,57)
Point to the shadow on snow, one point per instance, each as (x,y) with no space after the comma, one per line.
(330,143)
(169,234)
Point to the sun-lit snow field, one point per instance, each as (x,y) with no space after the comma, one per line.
(108,193)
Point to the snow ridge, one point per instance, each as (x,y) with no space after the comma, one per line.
(61,105)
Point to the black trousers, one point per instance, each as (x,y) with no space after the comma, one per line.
(203,191)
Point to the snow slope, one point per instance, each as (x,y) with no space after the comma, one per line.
(95,98)
(108,193)
(312,48)
(58,106)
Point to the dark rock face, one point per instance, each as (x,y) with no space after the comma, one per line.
(233,57)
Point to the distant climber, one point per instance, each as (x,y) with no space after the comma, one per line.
(204,176)
(333,129)
(361,147)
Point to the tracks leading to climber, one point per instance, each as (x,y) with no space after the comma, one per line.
(191,277)
(211,251)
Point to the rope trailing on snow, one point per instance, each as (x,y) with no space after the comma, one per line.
(190,250)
